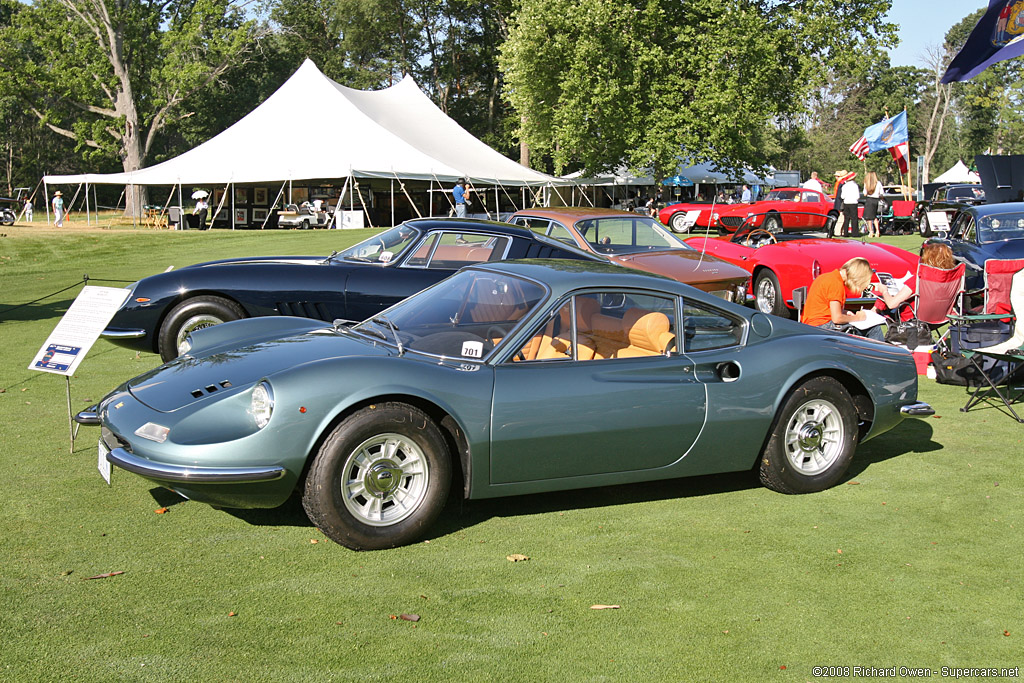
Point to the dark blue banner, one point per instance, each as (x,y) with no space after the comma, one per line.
(999,35)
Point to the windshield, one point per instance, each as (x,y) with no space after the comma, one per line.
(383,247)
(627,235)
(463,317)
(1001,226)
(971,193)
(783,196)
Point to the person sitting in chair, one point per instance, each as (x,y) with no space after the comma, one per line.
(828,293)
(934,254)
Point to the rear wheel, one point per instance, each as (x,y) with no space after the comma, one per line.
(677,222)
(305,225)
(923,226)
(380,479)
(813,439)
(768,295)
(191,315)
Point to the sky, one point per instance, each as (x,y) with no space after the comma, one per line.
(923,23)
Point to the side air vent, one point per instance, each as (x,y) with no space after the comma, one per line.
(210,388)
(303,309)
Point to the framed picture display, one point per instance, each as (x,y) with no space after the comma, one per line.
(299,194)
(241,195)
(259,196)
(218,196)
(259,215)
(241,216)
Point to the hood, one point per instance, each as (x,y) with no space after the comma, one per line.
(187,380)
(683,265)
(833,253)
(1008,249)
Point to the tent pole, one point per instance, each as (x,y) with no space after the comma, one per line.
(95,205)
(88,220)
(289,191)
(46,196)
(351,197)
(430,195)
(181,209)
(135,204)
(392,203)
(231,187)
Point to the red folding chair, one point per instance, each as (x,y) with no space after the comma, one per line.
(937,293)
(998,282)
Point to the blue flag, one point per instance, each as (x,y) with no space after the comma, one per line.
(999,35)
(888,133)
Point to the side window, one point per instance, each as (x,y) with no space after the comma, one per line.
(422,253)
(562,234)
(705,328)
(810,197)
(606,325)
(538,225)
(968,228)
(455,250)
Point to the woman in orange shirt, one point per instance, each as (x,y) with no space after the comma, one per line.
(827,296)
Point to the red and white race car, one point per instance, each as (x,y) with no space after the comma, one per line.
(780,262)
(786,208)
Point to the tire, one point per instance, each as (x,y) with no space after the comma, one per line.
(813,439)
(352,493)
(923,226)
(768,295)
(305,225)
(676,222)
(772,223)
(190,315)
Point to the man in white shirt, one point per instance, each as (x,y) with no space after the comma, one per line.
(813,183)
(850,194)
(745,197)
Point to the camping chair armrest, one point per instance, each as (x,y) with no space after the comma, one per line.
(979,317)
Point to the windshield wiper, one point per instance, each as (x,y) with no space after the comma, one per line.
(331,257)
(381,320)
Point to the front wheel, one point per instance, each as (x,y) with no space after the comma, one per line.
(380,479)
(678,222)
(813,439)
(923,226)
(191,315)
(768,295)
(772,223)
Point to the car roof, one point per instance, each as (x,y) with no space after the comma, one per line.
(574,213)
(562,275)
(475,224)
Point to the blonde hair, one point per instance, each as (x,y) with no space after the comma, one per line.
(856,273)
(937,255)
(870,182)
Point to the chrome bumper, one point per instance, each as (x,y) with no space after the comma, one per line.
(186,474)
(89,416)
(119,333)
(919,409)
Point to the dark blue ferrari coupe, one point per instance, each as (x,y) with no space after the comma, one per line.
(988,231)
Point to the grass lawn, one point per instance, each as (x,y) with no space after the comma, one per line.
(914,561)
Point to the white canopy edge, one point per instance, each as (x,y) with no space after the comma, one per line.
(313,128)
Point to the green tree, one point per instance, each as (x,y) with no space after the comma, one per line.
(113,74)
(656,82)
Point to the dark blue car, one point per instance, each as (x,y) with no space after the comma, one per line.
(979,233)
(354,284)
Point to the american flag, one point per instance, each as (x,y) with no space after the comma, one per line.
(900,153)
(859,149)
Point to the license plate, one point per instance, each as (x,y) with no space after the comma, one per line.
(102,463)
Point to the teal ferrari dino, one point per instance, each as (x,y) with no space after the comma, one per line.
(508,378)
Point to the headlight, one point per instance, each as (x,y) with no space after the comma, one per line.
(262,404)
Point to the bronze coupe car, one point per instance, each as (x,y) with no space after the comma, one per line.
(638,242)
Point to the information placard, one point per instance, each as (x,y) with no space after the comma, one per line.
(938,221)
(78,330)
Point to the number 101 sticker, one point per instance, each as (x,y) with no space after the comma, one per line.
(473,349)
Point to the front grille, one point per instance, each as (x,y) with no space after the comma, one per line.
(731,221)
(112,440)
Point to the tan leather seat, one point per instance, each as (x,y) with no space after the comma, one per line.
(550,344)
(649,334)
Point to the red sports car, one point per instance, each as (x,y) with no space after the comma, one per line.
(787,208)
(784,261)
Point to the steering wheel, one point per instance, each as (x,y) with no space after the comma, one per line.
(496,332)
(760,240)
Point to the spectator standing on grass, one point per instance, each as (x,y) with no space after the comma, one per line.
(745,197)
(850,194)
(813,183)
(827,297)
(28,209)
(872,195)
(58,209)
(459,196)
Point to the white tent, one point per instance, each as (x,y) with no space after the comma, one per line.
(958,174)
(314,128)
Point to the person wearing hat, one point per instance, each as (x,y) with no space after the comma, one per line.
(460,196)
(58,209)
(850,194)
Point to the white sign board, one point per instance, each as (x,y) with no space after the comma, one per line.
(78,330)
(938,221)
(690,219)
(351,220)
